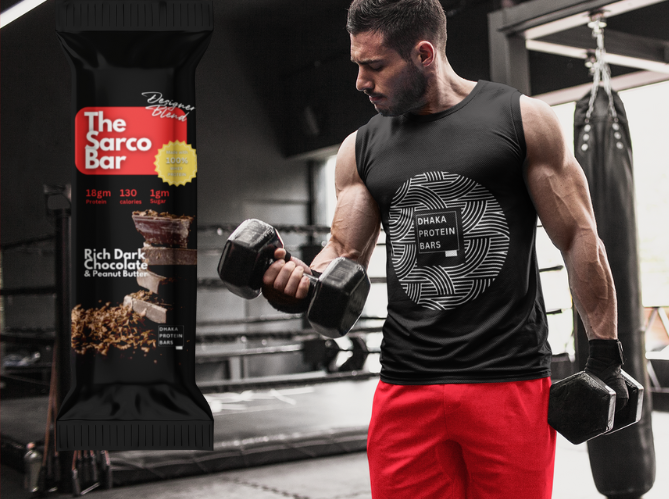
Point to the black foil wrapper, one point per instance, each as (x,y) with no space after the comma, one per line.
(134,217)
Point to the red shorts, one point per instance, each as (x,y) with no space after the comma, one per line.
(461,441)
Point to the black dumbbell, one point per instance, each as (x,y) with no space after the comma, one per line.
(247,254)
(581,407)
(337,297)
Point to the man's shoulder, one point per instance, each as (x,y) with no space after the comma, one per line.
(543,132)
(536,112)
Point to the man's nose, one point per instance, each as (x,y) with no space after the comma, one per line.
(363,82)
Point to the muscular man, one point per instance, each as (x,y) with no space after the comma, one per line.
(457,171)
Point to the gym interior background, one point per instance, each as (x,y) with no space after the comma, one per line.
(275,98)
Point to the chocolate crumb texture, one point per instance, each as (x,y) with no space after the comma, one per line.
(100,329)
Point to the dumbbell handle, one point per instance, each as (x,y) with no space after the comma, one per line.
(313,280)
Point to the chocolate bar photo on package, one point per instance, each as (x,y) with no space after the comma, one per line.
(163,229)
(134,213)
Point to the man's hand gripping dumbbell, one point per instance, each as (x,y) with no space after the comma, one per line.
(254,256)
(602,399)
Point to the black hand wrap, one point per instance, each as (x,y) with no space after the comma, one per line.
(284,303)
(288,304)
(604,362)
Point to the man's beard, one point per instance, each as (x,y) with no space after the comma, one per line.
(411,95)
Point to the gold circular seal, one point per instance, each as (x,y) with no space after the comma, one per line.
(176,163)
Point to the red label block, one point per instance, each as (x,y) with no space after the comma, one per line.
(123,140)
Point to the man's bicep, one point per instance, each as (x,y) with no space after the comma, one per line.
(555,180)
(356,221)
(346,169)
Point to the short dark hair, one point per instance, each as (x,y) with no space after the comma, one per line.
(401,22)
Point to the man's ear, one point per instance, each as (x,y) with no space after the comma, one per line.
(426,52)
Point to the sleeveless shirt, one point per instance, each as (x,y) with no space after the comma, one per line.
(464,295)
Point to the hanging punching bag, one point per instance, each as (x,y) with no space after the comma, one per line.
(622,463)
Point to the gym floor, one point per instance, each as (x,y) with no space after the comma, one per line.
(345,477)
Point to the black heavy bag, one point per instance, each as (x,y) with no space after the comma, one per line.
(623,463)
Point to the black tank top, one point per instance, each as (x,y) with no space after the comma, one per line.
(464,296)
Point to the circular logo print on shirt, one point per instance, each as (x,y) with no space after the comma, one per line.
(449,239)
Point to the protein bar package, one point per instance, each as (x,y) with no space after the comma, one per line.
(134,245)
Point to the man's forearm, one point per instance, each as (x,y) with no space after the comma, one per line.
(334,249)
(592,287)
(326,255)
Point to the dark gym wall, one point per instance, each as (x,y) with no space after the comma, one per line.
(298,61)
(35,133)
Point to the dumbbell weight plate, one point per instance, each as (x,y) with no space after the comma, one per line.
(339,298)
(581,407)
(631,413)
(247,254)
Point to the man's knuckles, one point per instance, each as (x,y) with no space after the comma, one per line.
(294,281)
(284,276)
(303,288)
(272,273)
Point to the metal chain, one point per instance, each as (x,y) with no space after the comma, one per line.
(599,68)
